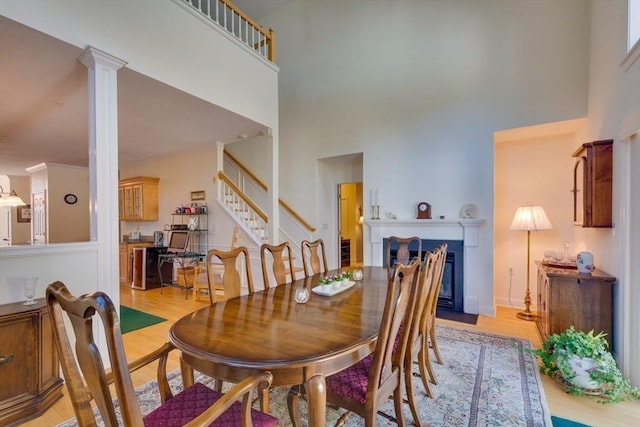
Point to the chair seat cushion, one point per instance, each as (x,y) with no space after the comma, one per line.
(352,382)
(191,402)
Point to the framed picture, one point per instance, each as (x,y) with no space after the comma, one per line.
(197,195)
(24,213)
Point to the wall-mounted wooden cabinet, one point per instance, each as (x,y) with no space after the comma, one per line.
(593,184)
(138,199)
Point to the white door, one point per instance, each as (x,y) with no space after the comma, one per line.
(5,226)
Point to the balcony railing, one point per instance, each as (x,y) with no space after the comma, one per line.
(236,22)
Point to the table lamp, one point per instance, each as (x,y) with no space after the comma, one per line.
(529,218)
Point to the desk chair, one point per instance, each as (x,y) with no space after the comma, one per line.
(278,256)
(311,254)
(402,256)
(86,379)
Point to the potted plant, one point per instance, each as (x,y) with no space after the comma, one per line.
(583,363)
(326,282)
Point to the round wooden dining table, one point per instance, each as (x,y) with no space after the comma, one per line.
(299,343)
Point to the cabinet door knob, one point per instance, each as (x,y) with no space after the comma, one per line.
(5,360)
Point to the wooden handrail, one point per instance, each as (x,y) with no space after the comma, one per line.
(261,184)
(235,188)
(246,170)
(268,35)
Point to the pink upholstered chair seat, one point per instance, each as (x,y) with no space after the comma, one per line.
(192,401)
(352,382)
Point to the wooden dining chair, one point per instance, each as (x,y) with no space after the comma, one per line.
(281,259)
(314,259)
(441,252)
(414,353)
(86,379)
(403,255)
(215,270)
(232,278)
(366,385)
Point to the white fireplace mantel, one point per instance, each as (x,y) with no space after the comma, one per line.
(467,230)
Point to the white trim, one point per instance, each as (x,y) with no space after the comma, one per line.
(631,56)
(467,230)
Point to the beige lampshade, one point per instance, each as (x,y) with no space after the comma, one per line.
(12,200)
(531,218)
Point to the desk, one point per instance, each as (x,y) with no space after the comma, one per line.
(297,343)
(184,259)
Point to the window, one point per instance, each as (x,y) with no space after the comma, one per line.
(634,24)
(633,33)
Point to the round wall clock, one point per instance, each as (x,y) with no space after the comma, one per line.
(70,198)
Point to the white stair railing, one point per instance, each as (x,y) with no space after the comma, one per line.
(252,220)
(244,29)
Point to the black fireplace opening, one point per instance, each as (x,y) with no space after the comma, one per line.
(452,290)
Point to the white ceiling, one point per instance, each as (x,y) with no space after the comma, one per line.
(43,108)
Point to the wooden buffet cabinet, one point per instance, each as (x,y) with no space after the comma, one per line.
(28,362)
(566,297)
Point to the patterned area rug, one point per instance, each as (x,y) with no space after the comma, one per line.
(485,380)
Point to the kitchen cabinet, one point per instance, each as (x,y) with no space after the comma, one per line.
(138,199)
(28,362)
(566,298)
(593,184)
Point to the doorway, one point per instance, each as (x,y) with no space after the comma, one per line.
(350,220)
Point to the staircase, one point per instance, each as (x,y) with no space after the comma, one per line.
(242,209)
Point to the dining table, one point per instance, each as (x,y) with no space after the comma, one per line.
(299,343)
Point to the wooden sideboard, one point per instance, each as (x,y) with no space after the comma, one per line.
(29,369)
(566,298)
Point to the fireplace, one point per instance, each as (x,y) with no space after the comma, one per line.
(452,291)
(463,231)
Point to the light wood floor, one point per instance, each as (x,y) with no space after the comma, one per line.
(172,305)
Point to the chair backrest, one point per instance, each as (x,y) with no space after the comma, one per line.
(387,358)
(403,255)
(440,255)
(88,365)
(311,254)
(281,258)
(424,284)
(231,276)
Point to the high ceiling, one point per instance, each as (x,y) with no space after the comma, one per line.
(43,108)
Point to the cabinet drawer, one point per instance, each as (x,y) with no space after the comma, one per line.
(18,346)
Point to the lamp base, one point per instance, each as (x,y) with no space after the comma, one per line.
(526,315)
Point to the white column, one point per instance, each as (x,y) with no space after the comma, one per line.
(471,268)
(103,164)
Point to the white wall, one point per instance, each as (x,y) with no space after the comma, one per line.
(162,40)
(536,170)
(419,88)
(614,98)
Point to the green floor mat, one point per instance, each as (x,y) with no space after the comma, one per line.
(132,319)
(561,422)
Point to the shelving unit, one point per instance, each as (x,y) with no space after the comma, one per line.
(198,226)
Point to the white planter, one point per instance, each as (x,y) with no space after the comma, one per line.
(580,366)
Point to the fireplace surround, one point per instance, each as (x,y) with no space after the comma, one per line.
(465,230)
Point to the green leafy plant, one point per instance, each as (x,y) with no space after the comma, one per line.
(559,349)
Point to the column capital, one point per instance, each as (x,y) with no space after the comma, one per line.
(92,56)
